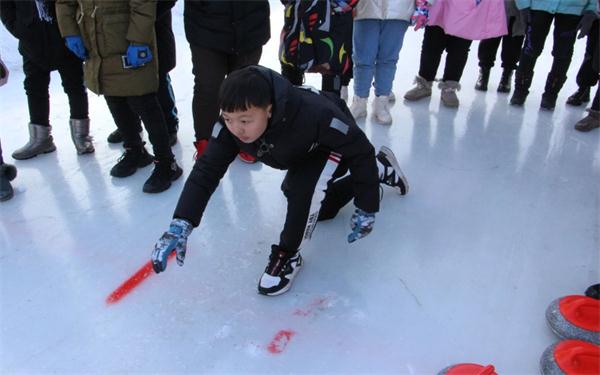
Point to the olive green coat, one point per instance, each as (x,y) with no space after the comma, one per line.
(107,28)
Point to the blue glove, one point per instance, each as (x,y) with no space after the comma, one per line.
(138,55)
(361,224)
(173,240)
(75,44)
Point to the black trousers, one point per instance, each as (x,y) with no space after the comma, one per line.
(37,83)
(565,32)
(511,49)
(435,42)
(587,75)
(166,98)
(210,67)
(1,158)
(128,110)
(316,190)
(329,82)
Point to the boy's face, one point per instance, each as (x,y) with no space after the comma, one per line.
(248,125)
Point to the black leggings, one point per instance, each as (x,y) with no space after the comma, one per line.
(315,191)
(511,49)
(435,42)
(587,75)
(565,31)
(37,82)
(127,111)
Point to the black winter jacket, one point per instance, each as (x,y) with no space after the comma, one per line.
(165,39)
(303,122)
(39,41)
(231,27)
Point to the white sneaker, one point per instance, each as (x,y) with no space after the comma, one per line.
(344,93)
(358,107)
(381,111)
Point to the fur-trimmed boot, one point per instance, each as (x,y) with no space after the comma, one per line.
(7,173)
(422,90)
(449,89)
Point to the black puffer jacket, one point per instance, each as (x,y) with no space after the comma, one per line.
(228,26)
(39,41)
(165,39)
(303,123)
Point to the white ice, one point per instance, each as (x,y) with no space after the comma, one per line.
(503,216)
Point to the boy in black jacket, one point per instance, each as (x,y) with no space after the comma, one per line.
(310,134)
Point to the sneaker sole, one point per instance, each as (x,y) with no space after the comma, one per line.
(288,286)
(392,158)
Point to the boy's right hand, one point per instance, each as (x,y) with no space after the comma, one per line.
(175,239)
(75,44)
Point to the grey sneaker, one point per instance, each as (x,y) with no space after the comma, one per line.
(449,89)
(40,142)
(422,90)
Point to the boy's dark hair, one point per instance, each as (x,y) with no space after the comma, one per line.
(244,88)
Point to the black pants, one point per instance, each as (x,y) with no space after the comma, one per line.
(588,72)
(315,191)
(565,31)
(210,67)
(435,42)
(166,98)
(329,82)
(1,158)
(37,83)
(511,49)
(127,111)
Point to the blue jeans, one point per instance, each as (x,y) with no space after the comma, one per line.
(377,44)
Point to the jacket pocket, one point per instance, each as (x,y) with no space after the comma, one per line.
(113,38)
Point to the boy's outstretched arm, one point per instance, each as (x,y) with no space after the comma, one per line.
(199,186)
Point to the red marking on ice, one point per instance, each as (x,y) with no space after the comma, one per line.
(319,303)
(280,341)
(131,283)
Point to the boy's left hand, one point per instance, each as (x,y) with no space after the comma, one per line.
(361,224)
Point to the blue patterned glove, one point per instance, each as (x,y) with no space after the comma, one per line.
(138,55)
(75,44)
(173,240)
(361,224)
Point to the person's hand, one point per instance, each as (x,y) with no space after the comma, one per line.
(526,16)
(138,55)
(586,22)
(175,239)
(420,15)
(75,44)
(361,224)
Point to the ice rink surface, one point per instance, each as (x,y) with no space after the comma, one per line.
(503,216)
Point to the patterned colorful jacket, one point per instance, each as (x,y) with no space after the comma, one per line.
(317,32)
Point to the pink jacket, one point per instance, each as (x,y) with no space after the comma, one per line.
(469,20)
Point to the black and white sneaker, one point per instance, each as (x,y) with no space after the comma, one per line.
(389,171)
(280,272)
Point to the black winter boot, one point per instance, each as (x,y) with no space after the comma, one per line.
(582,95)
(7,173)
(165,172)
(115,137)
(483,79)
(522,85)
(130,161)
(505,84)
(553,86)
